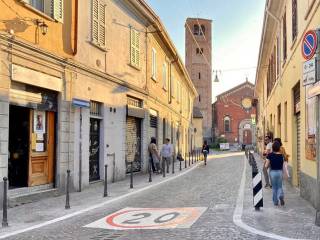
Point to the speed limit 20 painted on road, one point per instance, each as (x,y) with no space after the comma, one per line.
(149,218)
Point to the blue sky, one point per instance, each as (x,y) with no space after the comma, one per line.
(236,27)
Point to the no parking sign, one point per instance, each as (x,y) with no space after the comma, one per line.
(309,44)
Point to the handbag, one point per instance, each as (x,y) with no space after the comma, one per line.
(179,157)
(286,174)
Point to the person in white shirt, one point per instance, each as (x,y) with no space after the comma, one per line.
(266,152)
(166,154)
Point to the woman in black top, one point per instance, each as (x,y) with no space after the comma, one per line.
(205,151)
(275,162)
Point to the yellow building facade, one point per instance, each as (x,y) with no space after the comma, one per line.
(287,107)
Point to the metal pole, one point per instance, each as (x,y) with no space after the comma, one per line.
(5,203)
(131,176)
(105,193)
(163,168)
(150,169)
(173,158)
(80,152)
(180,168)
(192,156)
(67,206)
(185,160)
(189,159)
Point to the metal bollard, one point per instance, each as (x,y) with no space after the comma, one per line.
(192,157)
(189,159)
(131,176)
(5,203)
(173,163)
(67,206)
(105,193)
(180,167)
(150,170)
(185,160)
(163,169)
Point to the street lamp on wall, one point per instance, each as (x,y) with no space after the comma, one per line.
(216,79)
(43,26)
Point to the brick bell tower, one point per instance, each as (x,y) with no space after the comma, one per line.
(199,66)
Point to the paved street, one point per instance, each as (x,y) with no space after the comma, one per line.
(214,187)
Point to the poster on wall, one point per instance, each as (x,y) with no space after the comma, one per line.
(39,122)
(311,120)
(39,130)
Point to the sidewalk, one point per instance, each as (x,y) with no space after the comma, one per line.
(294,220)
(30,215)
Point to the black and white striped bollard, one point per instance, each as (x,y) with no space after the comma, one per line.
(257,187)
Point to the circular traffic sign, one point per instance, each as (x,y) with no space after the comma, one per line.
(309,44)
(149,218)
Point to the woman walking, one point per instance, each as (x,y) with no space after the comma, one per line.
(205,151)
(154,155)
(275,161)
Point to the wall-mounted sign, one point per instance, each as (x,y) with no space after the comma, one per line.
(309,44)
(80,103)
(309,72)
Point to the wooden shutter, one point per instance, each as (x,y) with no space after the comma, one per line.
(102,25)
(135,48)
(95,21)
(58,10)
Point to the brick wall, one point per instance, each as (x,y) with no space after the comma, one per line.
(229,104)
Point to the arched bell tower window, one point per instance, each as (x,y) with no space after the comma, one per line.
(196,29)
(203,30)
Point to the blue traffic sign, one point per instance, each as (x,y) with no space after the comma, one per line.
(309,44)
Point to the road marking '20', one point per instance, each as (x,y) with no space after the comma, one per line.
(149,218)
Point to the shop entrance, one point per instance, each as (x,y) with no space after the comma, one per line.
(31,147)
(18,146)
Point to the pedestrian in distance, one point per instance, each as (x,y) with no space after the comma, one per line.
(154,155)
(286,174)
(205,151)
(166,154)
(267,151)
(275,161)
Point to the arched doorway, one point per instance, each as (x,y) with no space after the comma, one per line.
(247,137)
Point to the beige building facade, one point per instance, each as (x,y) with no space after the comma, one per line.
(288,105)
(115,82)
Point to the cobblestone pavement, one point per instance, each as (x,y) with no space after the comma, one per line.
(214,186)
(295,219)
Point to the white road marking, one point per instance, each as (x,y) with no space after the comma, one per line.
(59,219)
(237,214)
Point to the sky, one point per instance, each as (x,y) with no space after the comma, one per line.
(236,34)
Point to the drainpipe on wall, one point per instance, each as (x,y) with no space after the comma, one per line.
(317,221)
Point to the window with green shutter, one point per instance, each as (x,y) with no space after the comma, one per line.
(135,48)
(52,8)
(98,23)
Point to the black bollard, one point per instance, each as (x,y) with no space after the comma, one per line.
(167,163)
(105,194)
(192,157)
(189,159)
(173,164)
(67,206)
(131,176)
(5,203)
(163,168)
(185,160)
(150,170)
(180,167)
